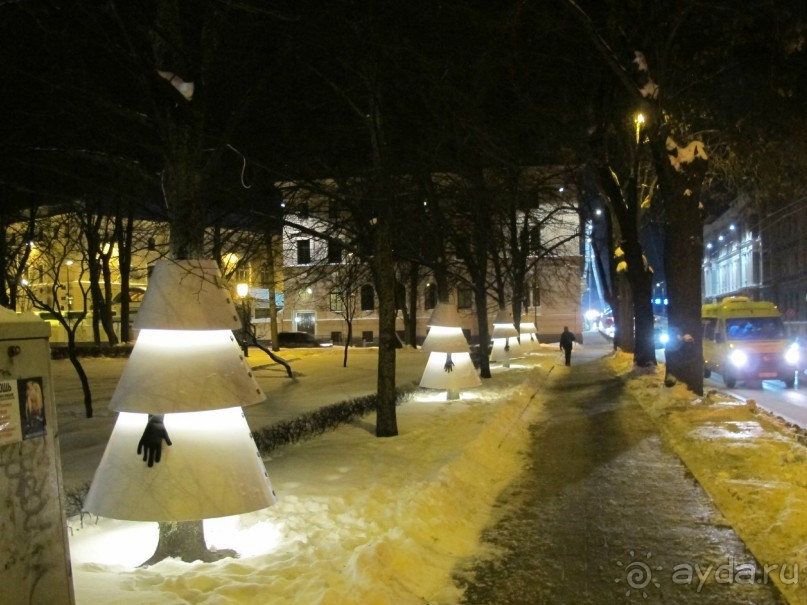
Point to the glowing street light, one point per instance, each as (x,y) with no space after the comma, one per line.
(68,263)
(639,121)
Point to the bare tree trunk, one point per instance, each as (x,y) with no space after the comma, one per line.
(623,315)
(124,232)
(412,294)
(384,277)
(481,303)
(72,355)
(185,539)
(182,178)
(683,252)
(270,255)
(347,341)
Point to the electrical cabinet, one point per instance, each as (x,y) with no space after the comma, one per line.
(34,551)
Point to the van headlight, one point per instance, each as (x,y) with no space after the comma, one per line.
(738,358)
(792,354)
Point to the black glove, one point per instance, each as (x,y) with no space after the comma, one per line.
(151,443)
(449,367)
(507,345)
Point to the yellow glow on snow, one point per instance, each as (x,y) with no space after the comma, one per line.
(103,545)
(247,540)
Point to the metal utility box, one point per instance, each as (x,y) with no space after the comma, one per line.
(34,552)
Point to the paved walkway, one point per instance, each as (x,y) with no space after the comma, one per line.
(607,514)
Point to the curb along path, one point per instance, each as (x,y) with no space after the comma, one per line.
(605,514)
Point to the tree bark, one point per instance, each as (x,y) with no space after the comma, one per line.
(412,293)
(683,253)
(74,360)
(124,232)
(624,335)
(185,540)
(481,303)
(384,277)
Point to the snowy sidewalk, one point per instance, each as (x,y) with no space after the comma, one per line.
(607,514)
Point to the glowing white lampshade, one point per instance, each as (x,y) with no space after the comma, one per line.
(185,371)
(529,337)
(447,348)
(187,295)
(527,327)
(462,376)
(187,367)
(445,340)
(445,331)
(213,469)
(503,326)
(505,341)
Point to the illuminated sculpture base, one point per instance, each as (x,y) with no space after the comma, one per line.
(463,376)
(213,469)
(529,343)
(498,352)
(529,337)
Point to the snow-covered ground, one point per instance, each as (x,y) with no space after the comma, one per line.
(362,520)
(751,463)
(359,519)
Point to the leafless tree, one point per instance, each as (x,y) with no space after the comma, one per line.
(58,287)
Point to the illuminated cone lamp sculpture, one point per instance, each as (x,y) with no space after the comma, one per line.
(529,337)
(449,367)
(180,399)
(505,339)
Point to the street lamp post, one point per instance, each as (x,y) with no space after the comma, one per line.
(67,264)
(243,292)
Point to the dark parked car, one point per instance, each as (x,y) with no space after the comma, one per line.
(291,340)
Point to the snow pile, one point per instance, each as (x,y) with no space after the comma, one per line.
(752,464)
(359,519)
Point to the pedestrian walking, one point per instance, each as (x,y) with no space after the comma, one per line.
(567,341)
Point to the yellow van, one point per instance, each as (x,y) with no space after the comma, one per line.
(746,340)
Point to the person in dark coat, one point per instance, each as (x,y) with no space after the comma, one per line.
(567,341)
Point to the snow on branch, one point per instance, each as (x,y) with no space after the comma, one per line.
(184,88)
(682,156)
(649,90)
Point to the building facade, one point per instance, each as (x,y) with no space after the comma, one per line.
(759,254)
(304,283)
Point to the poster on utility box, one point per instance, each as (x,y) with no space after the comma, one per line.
(22,410)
